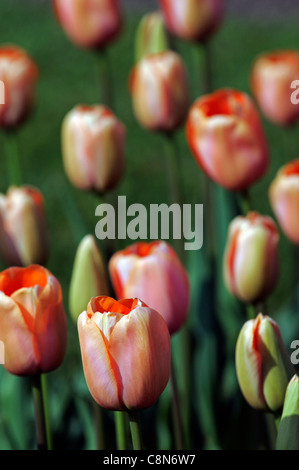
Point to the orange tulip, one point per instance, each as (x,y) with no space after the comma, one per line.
(271,78)
(159,89)
(32,320)
(154,273)
(89,23)
(284,199)
(125,349)
(193,20)
(93,148)
(19,74)
(225,135)
(23,227)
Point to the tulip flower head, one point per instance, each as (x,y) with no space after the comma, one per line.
(193,20)
(125,348)
(151,35)
(19,74)
(287,436)
(159,89)
(90,24)
(251,259)
(284,199)
(23,227)
(152,271)
(226,138)
(93,148)
(263,365)
(33,325)
(271,77)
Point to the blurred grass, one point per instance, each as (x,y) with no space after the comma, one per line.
(68,77)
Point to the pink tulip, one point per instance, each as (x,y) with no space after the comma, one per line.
(125,349)
(154,273)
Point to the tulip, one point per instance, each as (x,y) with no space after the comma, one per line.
(93,147)
(284,199)
(32,320)
(251,259)
(18,73)
(125,349)
(23,227)
(151,37)
(271,78)
(153,273)
(89,277)
(89,24)
(193,20)
(288,431)
(226,138)
(159,89)
(262,364)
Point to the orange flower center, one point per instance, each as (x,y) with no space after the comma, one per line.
(104,304)
(15,278)
(292,168)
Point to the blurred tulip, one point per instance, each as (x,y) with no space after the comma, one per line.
(151,37)
(19,74)
(32,320)
(271,78)
(93,147)
(251,259)
(263,365)
(153,273)
(23,227)
(193,20)
(89,24)
(284,199)
(89,277)
(125,349)
(225,135)
(159,88)
(288,431)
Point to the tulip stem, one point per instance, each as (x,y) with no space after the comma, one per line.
(105,77)
(121,434)
(176,411)
(40,417)
(12,159)
(135,427)
(99,426)
(245,202)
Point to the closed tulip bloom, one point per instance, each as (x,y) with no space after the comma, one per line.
(93,148)
(151,36)
(90,24)
(32,320)
(226,138)
(284,199)
(263,364)
(154,273)
(23,227)
(251,259)
(193,20)
(89,278)
(159,89)
(271,78)
(125,349)
(19,74)
(288,431)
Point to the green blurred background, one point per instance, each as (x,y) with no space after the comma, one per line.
(69,76)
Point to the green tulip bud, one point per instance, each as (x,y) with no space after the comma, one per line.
(151,36)
(288,431)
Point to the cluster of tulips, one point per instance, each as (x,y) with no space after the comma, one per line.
(126,318)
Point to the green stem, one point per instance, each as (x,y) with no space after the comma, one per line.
(121,430)
(245,202)
(135,428)
(44,384)
(99,426)
(40,419)
(104,78)
(176,411)
(12,159)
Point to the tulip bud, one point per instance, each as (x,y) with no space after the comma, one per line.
(153,272)
(89,24)
(251,258)
(271,78)
(93,147)
(18,73)
(151,37)
(284,199)
(89,277)
(159,88)
(193,20)
(288,431)
(263,365)
(33,325)
(225,135)
(125,349)
(23,227)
